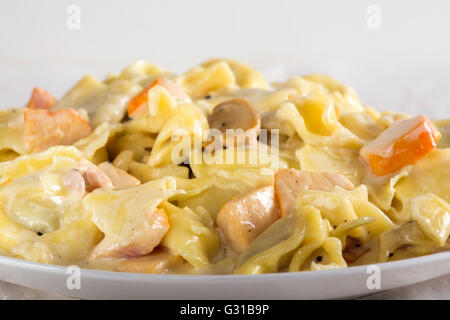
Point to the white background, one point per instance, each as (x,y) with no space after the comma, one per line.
(404,66)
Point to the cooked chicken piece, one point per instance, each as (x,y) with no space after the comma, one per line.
(403,143)
(142,242)
(156,262)
(44,129)
(94,177)
(236,114)
(243,218)
(40,99)
(74,181)
(119,178)
(290,182)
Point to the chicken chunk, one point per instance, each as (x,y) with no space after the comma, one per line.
(243,218)
(94,177)
(40,99)
(120,179)
(150,234)
(156,262)
(44,129)
(290,182)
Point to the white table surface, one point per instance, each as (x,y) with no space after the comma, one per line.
(416,90)
(438,288)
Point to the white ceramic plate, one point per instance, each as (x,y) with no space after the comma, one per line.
(329,284)
(340,283)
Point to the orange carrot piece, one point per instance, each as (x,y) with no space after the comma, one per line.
(135,103)
(404,143)
(5,181)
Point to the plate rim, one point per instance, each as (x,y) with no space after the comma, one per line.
(115,275)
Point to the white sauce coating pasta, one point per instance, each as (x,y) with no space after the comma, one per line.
(288,177)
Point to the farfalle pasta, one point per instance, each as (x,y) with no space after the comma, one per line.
(215,171)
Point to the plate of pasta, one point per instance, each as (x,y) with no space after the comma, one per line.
(214,183)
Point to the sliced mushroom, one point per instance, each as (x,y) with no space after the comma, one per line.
(353,250)
(236,114)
